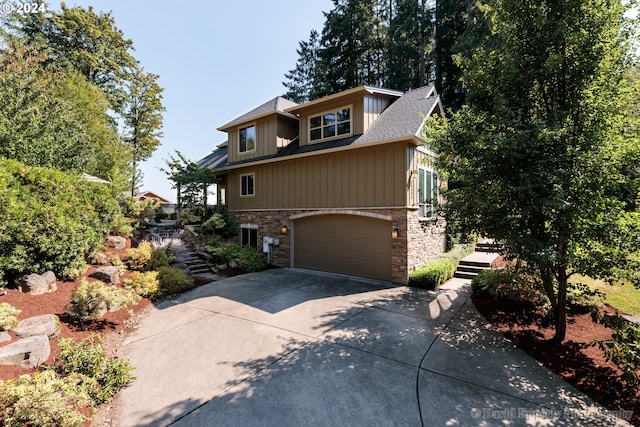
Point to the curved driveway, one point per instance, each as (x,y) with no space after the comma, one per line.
(293,348)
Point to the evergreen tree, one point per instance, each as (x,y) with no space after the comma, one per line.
(303,78)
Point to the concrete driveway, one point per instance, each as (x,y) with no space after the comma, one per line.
(293,348)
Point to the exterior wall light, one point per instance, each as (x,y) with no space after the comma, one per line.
(285,229)
(395,232)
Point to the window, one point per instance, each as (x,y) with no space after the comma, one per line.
(330,124)
(427,192)
(249,237)
(247,141)
(247,185)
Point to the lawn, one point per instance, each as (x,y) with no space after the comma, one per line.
(623,296)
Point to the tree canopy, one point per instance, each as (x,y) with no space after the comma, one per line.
(539,158)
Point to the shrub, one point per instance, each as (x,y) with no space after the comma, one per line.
(250,260)
(90,300)
(140,211)
(215,222)
(50,220)
(89,358)
(116,261)
(582,298)
(159,258)
(491,283)
(143,284)
(433,273)
(137,258)
(623,348)
(230,227)
(8,316)
(510,284)
(224,254)
(43,399)
(173,280)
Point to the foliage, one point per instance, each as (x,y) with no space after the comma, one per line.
(159,258)
(142,115)
(581,296)
(142,211)
(137,258)
(8,316)
(490,283)
(251,260)
(535,158)
(173,280)
(144,284)
(117,262)
(224,254)
(43,399)
(620,295)
(433,273)
(211,225)
(623,348)
(89,358)
(510,284)
(230,227)
(55,118)
(192,183)
(301,79)
(50,220)
(90,300)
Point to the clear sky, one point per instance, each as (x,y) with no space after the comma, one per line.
(216,61)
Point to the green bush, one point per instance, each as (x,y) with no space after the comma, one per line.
(225,254)
(141,211)
(143,284)
(90,300)
(173,280)
(89,358)
(159,258)
(623,348)
(510,284)
(44,399)
(116,261)
(211,225)
(250,260)
(581,297)
(433,273)
(492,283)
(8,316)
(50,220)
(137,258)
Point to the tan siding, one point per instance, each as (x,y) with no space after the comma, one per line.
(271,133)
(357,115)
(373,107)
(368,177)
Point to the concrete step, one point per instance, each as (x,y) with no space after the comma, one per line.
(464,275)
(469,263)
(470,269)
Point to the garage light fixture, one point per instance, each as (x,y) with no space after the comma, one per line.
(285,228)
(395,232)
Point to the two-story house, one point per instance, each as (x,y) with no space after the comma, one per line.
(340,184)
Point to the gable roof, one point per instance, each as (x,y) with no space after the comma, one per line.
(217,158)
(405,117)
(277,105)
(360,89)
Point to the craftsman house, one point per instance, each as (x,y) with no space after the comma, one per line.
(340,184)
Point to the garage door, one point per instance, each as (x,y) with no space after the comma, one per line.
(345,244)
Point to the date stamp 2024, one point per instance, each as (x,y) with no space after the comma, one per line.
(23,7)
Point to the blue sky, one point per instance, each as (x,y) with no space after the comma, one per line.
(216,60)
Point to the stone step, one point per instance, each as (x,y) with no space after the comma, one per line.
(470,269)
(464,275)
(481,264)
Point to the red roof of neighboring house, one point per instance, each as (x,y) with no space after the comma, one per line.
(151,195)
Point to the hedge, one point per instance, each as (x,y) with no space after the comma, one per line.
(50,220)
(436,272)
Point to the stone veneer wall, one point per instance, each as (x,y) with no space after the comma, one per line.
(414,246)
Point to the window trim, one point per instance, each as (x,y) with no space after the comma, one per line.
(427,207)
(255,139)
(336,136)
(250,228)
(253,178)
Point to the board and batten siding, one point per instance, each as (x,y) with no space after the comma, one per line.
(368,177)
(271,133)
(373,107)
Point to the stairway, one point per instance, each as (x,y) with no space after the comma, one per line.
(197,266)
(481,259)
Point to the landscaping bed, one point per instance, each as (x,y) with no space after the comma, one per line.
(576,359)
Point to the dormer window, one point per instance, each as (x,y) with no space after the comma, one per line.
(330,124)
(247,139)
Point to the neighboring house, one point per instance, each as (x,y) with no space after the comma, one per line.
(340,184)
(165,204)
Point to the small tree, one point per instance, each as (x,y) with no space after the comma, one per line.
(537,159)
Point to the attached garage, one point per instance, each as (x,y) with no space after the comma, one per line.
(345,244)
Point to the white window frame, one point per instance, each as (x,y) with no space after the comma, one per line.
(253,179)
(427,206)
(255,139)
(322,125)
(249,229)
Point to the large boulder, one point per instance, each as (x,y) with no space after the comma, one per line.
(108,275)
(117,242)
(28,352)
(4,336)
(46,324)
(37,284)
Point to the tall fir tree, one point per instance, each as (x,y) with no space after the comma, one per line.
(303,78)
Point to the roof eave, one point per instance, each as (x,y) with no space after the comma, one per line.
(235,123)
(359,89)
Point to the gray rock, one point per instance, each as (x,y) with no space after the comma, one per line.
(4,336)
(46,324)
(28,352)
(116,242)
(37,284)
(108,275)
(100,258)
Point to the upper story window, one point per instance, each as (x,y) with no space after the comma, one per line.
(247,185)
(247,139)
(427,192)
(330,124)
